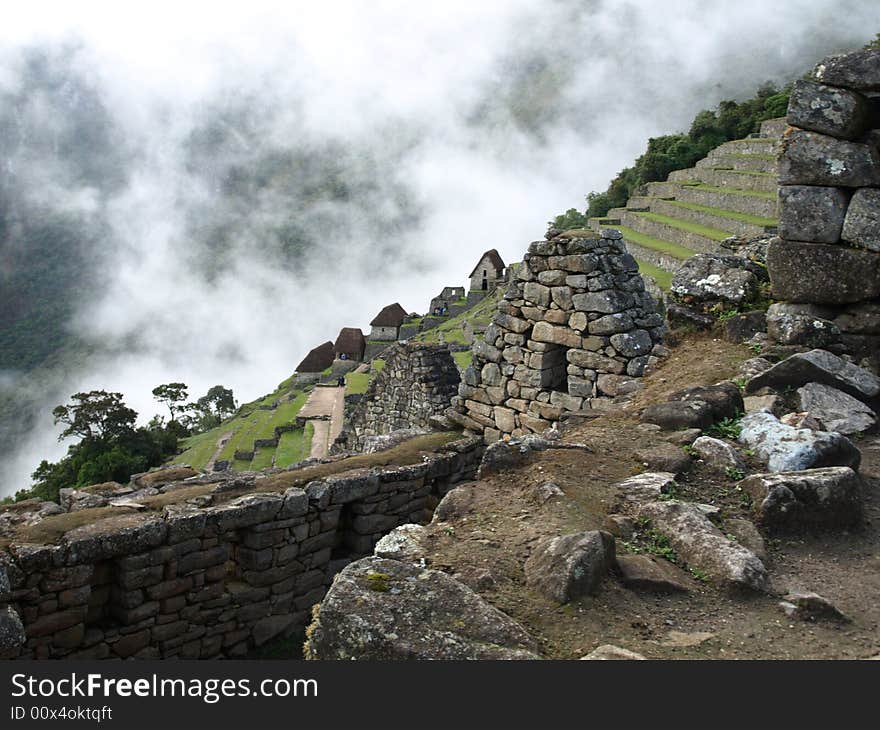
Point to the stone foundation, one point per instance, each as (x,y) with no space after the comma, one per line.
(573,324)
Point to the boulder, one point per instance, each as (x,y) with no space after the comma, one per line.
(608,652)
(12,634)
(646,487)
(828,498)
(858,70)
(567,567)
(862,224)
(828,110)
(785,448)
(709,276)
(822,273)
(380,609)
(835,410)
(811,213)
(801,324)
(724,399)
(818,366)
(810,158)
(665,457)
(719,455)
(747,535)
(645,573)
(812,607)
(403,543)
(455,504)
(700,544)
(678,415)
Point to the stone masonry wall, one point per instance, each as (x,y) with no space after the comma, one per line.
(417,382)
(825,265)
(207,577)
(573,324)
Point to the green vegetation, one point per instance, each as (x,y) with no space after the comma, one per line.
(572,218)
(661,276)
(463,359)
(642,239)
(294,446)
(727,428)
(357,383)
(451,330)
(710,128)
(701,230)
(722,213)
(733,191)
(734,473)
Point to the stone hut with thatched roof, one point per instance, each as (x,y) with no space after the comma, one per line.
(488,273)
(350,344)
(386,325)
(317,361)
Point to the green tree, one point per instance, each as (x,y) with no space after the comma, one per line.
(96,414)
(171,394)
(218,401)
(572,218)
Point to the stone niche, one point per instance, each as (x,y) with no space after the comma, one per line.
(574,323)
(825,264)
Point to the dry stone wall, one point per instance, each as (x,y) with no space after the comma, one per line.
(207,577)
(825,265)
(417,383)
(574,323)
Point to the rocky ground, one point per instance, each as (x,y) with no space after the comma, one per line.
(486,531)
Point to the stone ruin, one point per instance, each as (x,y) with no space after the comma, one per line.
(575,324)
(416,385)
(825,265)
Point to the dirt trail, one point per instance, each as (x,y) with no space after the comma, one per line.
(324,409)
(221,442)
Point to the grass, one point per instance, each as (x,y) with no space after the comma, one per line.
(646,241)
(294,446)
(754,173)
(378,365)
(734,191)
(263,459)
(661,276)
(713,233)
(755,220)
(463,359)
(743,155)
(356,383)
(200,448)
(480,313)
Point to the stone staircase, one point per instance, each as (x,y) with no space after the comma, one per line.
(731,192)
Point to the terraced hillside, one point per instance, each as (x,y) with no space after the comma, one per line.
(732,191)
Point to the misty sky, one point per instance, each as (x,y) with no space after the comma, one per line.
(454,127)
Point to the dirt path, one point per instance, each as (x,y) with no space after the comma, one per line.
(324,409)
(221,442)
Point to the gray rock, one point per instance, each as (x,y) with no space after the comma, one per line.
(570,566)
(828,498)
(812,607)
(826,109)
(547,491)
(809,158)
(818,366)
(747,535)
(403,543)
(677,415)
(641,488)
(645,573)
(12,634)
(801,324)
(455,504)
(858,70)
(835,410)
(632,344)
(861,319)
(811,213)
(724,398)
(821,273)
(604,302)
(862,224)
(683,438)
(708,276)
(743,326)
(754,366)
(665,457)
(718,455)
(379,609)
(785,448)
(620,526)
(702,545)
(771,403)
(608,652)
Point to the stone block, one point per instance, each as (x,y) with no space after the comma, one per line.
(810,213)
(809,158)
(837,112)
(861,227)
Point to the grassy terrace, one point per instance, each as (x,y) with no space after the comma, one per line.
(661,276)
(481,313)
(463,359)
(714,233)
(641,239)
(745,156)
(732,191)
(294,446)
(753,173)
(723,213)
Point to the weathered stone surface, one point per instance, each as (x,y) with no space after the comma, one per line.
(665,457)
(12,633)
(743,326)
(826,498)
(403,543)
(384,610)
(457,502)
(645,487)
(719,455)
(861,226)
(643,572)
(714,276)
(811,213)
(537,294)
(785,448)
(557,335)
(633,343)
(113,536)
(723,399)
(570,566)
(747,535)
(858,70)
(821,273)
(812,607)
(806,325)
(608,652)
(676,415)
(770,402)
(809,158)
(835,410)
(818,366)
(603,302)
(702,545)
(828,110)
